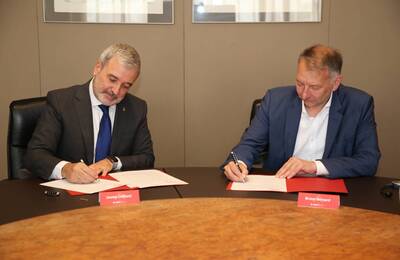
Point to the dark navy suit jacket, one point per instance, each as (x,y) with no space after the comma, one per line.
(351,147)
(65,132)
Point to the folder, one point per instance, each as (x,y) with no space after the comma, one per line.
(296,184)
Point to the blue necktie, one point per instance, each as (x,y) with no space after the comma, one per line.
(103,144)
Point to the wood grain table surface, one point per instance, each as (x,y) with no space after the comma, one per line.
(204,228)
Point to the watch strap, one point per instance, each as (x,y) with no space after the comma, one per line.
(113,160)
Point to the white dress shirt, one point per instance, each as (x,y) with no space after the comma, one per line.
(311,136)
(97,115)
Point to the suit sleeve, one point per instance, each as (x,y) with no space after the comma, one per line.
(366,154)
(142,156)
(40,157)
(255,138)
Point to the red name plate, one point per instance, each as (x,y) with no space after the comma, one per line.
(315,200)
(119,197)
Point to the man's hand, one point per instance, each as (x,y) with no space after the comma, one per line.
(104,167)
(296,166)
(78,173)
(232,172)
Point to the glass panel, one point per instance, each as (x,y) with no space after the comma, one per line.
(109,11)
(256,11)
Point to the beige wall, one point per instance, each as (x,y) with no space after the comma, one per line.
(200,79)
(19,62)
(368,33)
(227,67)
(68,53)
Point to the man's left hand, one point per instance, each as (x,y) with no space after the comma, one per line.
(103,166)
(295,166)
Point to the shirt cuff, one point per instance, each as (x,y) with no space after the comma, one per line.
(119,165)
(240,161)
(321,169)
(56,173)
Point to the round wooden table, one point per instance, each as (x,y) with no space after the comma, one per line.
(205,228)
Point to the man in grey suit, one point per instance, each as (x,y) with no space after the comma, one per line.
(94,128)
(318,127)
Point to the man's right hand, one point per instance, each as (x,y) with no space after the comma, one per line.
(78,173)
(232,171)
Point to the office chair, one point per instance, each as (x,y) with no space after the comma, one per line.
(23,117)
(255,106)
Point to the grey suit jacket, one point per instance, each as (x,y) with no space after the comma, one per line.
(65,132)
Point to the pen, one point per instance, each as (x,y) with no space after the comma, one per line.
(236,161)
(82,161)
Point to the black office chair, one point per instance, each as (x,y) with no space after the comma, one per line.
(255,106)
(23,117)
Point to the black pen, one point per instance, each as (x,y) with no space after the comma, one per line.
(236,161)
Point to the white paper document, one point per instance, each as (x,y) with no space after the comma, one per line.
(96,186)
(146,178)
(261,183)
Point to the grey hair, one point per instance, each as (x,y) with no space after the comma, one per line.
(320,57)
(126,53)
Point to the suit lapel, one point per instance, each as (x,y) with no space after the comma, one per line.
(335,120)
(293,115)
(121,117)
(84,113)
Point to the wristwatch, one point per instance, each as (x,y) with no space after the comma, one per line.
(113,160)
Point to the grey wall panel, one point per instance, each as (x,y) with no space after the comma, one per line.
(68,53)
(227,67)
(19,62)
(368,33)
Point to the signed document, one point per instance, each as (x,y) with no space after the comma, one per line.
(89,188)
(260,183)
(146,178)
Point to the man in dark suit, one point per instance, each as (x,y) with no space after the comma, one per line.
(94,128)
(318,127)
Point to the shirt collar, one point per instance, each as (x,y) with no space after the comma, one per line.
(93,100)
